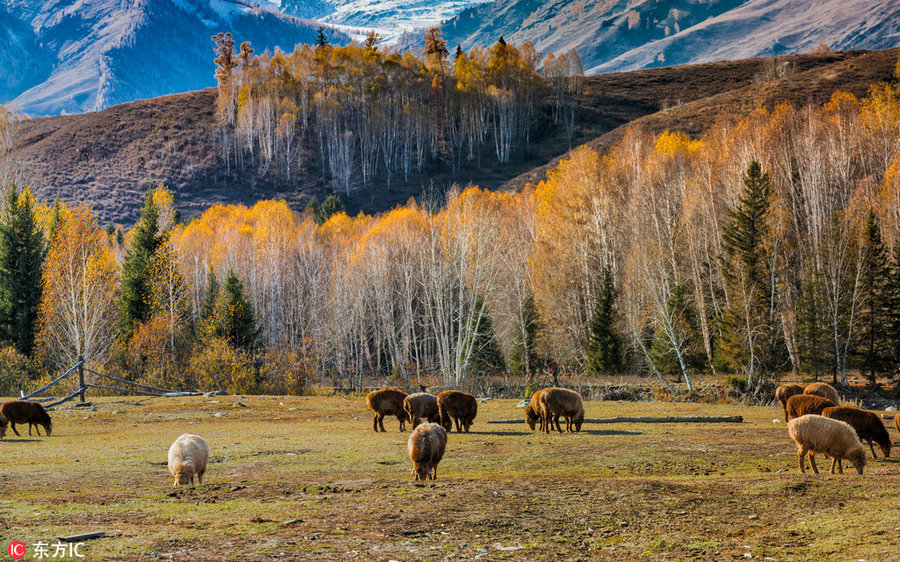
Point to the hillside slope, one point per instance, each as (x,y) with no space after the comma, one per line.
(73,56)
(810,86)
(621,35)
(110,158)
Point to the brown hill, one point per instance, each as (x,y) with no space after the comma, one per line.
(110,158)
(809,84)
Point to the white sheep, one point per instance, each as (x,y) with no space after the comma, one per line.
(188,456)
(817,434)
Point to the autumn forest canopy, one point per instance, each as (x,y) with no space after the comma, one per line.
(362,112)
(768,246)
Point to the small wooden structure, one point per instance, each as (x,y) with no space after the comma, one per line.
(130,387)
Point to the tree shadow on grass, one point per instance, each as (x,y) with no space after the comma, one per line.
(610,432)
(494,433)
(20,440)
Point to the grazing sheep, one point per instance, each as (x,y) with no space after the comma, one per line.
(426,448)
(421,405)
(556,402)
(785,391)
(461,407)
(386,402)
(2,426)
(817,434)
(868,426)
(32,413)
(824,390)
(188,456)
(533,410)
(897,421)
(802,404)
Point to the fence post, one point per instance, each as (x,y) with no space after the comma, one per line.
(81,376)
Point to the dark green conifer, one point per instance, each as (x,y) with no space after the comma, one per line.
(135,298)
(22,253)
(234,319)
(872,347)
(604,350)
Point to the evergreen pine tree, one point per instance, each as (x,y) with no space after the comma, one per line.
(687,330)
(321,40)
(893,299)
(750,337)
(210,296)
(811,333)
(234,319)
(135,297)
(22,253)
(872,347)
(321,212)
(486,358)
(604,354)
(523,357)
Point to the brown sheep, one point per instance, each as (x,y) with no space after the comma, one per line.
(868,426)
(32,413)
(802,404)
(2,426)
(386,402)
(533,410)
(785,391)
(457,406)
(556,402)
(426,448)
(897,421)
(824,390)
(817,434)
(421,405)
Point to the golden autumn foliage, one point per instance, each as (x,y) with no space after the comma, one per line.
(80,283)
(408,293)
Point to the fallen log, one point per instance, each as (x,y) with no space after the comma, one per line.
(83,537)
(643,419)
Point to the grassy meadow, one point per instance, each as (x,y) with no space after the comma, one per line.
(306,478)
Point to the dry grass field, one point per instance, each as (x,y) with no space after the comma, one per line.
(306,478)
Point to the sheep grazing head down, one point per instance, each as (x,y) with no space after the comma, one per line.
(579,419)
(184,474)
(858,460)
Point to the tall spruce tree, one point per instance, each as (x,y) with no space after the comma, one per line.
(812,334)
(234,319)
(604,348)
(135,297)
(894,314)
(872,347)
(687,331)
(750,336)
(486,358)
(523,357)
(210,297)
(22,253)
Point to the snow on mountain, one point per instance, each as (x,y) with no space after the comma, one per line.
(618,35)
(85,55)
(390,18)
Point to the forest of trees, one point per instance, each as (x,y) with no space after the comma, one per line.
(769,246)
(367,113)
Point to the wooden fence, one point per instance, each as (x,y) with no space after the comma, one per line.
(79,368)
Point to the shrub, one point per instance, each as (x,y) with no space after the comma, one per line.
(16,371)
(217,365)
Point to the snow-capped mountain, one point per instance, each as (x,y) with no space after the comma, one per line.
(390,18)
(84,55)
(617,35)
